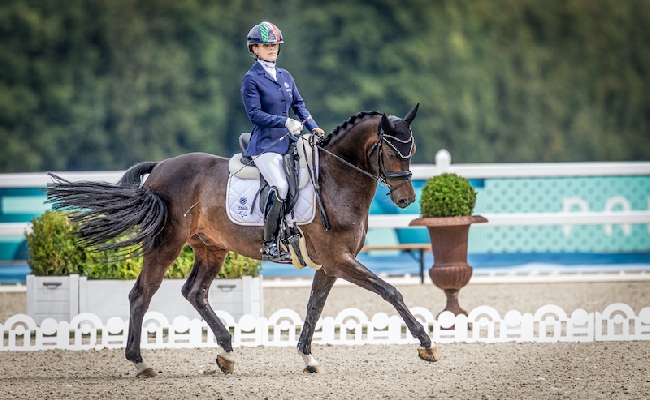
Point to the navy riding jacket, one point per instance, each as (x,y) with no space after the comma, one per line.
(267,104)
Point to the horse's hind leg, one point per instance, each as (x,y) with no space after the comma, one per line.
(355,272)
(320,288)
(207,263)
(153,269)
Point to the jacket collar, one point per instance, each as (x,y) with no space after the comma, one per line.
(257,67)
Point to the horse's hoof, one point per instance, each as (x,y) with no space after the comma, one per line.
(313,369)
(147,373)
(226,366)
(428,353)
(311,365)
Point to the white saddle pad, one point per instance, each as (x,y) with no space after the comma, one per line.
(244,182)
(241,192)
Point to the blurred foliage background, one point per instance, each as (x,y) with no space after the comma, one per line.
(99,85)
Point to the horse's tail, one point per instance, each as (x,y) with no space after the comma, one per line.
(112,217)
(133,176)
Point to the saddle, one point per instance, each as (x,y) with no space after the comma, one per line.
(299,164)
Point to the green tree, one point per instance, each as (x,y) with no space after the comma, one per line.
(103,85)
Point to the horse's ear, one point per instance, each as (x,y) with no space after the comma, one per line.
(386,124)
(410,116)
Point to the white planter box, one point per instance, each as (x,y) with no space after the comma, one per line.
(108,298)
(52,297)
(238,297)
(63,297)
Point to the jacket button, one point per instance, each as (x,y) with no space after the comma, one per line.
(284,112)
(279,88)
(283,100)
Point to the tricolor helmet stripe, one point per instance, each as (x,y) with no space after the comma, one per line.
(276,32)
(264,32)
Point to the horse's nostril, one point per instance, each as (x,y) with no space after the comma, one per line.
(404,202)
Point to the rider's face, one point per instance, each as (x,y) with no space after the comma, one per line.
(266,52)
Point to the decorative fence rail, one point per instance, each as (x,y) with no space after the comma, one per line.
(617,322)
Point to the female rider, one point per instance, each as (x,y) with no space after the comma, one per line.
(268,93)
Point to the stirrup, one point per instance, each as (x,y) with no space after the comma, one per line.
(271,252)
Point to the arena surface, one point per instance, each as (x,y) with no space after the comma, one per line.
(599,370)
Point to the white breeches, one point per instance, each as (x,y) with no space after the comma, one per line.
(271,167)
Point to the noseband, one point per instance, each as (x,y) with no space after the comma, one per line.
(384,175)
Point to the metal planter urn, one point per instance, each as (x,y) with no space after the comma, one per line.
(449,240)
(446,205)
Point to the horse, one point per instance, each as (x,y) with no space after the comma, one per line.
(183,201)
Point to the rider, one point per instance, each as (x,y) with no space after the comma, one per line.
(268,93)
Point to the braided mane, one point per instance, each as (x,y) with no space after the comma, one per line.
(347,125)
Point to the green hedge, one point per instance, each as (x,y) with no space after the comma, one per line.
(54,251)
(52,246)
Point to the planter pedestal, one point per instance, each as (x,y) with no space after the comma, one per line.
(450,271)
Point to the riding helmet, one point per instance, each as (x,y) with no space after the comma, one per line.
(264,33)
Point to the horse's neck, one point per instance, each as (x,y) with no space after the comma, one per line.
(354,145)
(346,189)
(343,179)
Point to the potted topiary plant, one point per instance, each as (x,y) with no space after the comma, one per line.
(56,261)
(67,280)
(446,204)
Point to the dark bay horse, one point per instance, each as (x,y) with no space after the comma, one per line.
(183,201)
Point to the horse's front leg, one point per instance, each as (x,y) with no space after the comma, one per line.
(354,272)
(320,288)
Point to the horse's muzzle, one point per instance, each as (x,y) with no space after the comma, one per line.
(404,202)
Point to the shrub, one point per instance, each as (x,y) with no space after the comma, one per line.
(447,195)
(112,264)
(237,266)
(107,265)
(54,251)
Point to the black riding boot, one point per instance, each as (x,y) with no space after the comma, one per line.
(272,222)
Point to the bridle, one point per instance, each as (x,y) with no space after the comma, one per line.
(384,138)
(383,176)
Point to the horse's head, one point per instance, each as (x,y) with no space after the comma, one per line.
(394,149)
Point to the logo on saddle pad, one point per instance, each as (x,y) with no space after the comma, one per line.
(242,208)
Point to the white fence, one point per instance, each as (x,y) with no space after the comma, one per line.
(617,322)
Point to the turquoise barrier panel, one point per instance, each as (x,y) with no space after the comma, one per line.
(516,195)
(21,204)
(13,248)
(18,205)
(547,195)
(554,195)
